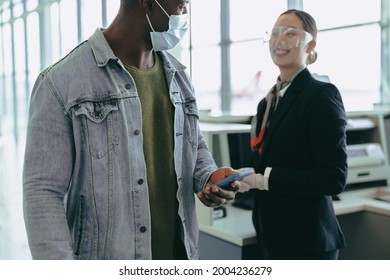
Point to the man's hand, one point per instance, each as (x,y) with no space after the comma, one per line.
(215,196)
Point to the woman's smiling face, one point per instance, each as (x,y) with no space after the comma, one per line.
(288,44)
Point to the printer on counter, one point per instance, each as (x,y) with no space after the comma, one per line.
(366,160)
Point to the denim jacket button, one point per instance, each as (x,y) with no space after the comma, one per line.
(142,229)
(136,132)
(140,181)
(128,86)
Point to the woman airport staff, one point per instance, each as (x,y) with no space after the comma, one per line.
(299,137)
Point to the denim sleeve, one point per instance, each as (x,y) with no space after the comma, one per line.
(47,173)
(205,164)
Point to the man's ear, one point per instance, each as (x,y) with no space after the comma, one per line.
(148,6)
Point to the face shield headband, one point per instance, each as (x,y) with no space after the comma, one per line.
(288,37)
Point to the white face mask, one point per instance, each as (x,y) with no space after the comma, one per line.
(178,27)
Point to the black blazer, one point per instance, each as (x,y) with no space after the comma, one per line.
(305,144)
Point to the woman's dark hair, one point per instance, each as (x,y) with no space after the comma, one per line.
(309,24)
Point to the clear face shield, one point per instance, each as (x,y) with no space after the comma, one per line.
(288,37)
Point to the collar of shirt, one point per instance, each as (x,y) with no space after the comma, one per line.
(283,90)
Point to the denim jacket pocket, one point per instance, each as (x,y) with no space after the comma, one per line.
(190,121)
(99,126)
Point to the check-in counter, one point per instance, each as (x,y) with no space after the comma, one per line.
(364,219)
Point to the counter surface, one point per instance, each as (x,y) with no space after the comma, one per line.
(238,229)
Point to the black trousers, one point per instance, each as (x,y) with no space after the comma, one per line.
(330,255)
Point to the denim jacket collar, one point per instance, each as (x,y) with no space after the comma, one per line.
(100,48)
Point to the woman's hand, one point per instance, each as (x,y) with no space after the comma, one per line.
(253,181)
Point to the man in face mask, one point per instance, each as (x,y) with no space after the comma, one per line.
(113,133)
(178,26)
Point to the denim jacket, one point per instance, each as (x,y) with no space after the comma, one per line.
(84,178)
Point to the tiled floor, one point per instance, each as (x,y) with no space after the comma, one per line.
(13,239)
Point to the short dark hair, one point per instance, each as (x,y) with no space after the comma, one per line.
(309,24)
(128,4)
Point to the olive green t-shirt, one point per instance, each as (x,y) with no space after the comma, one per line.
(158,136)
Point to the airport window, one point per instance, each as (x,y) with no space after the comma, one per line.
(88,8)
(224,51)
(69,25)
(349,48)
